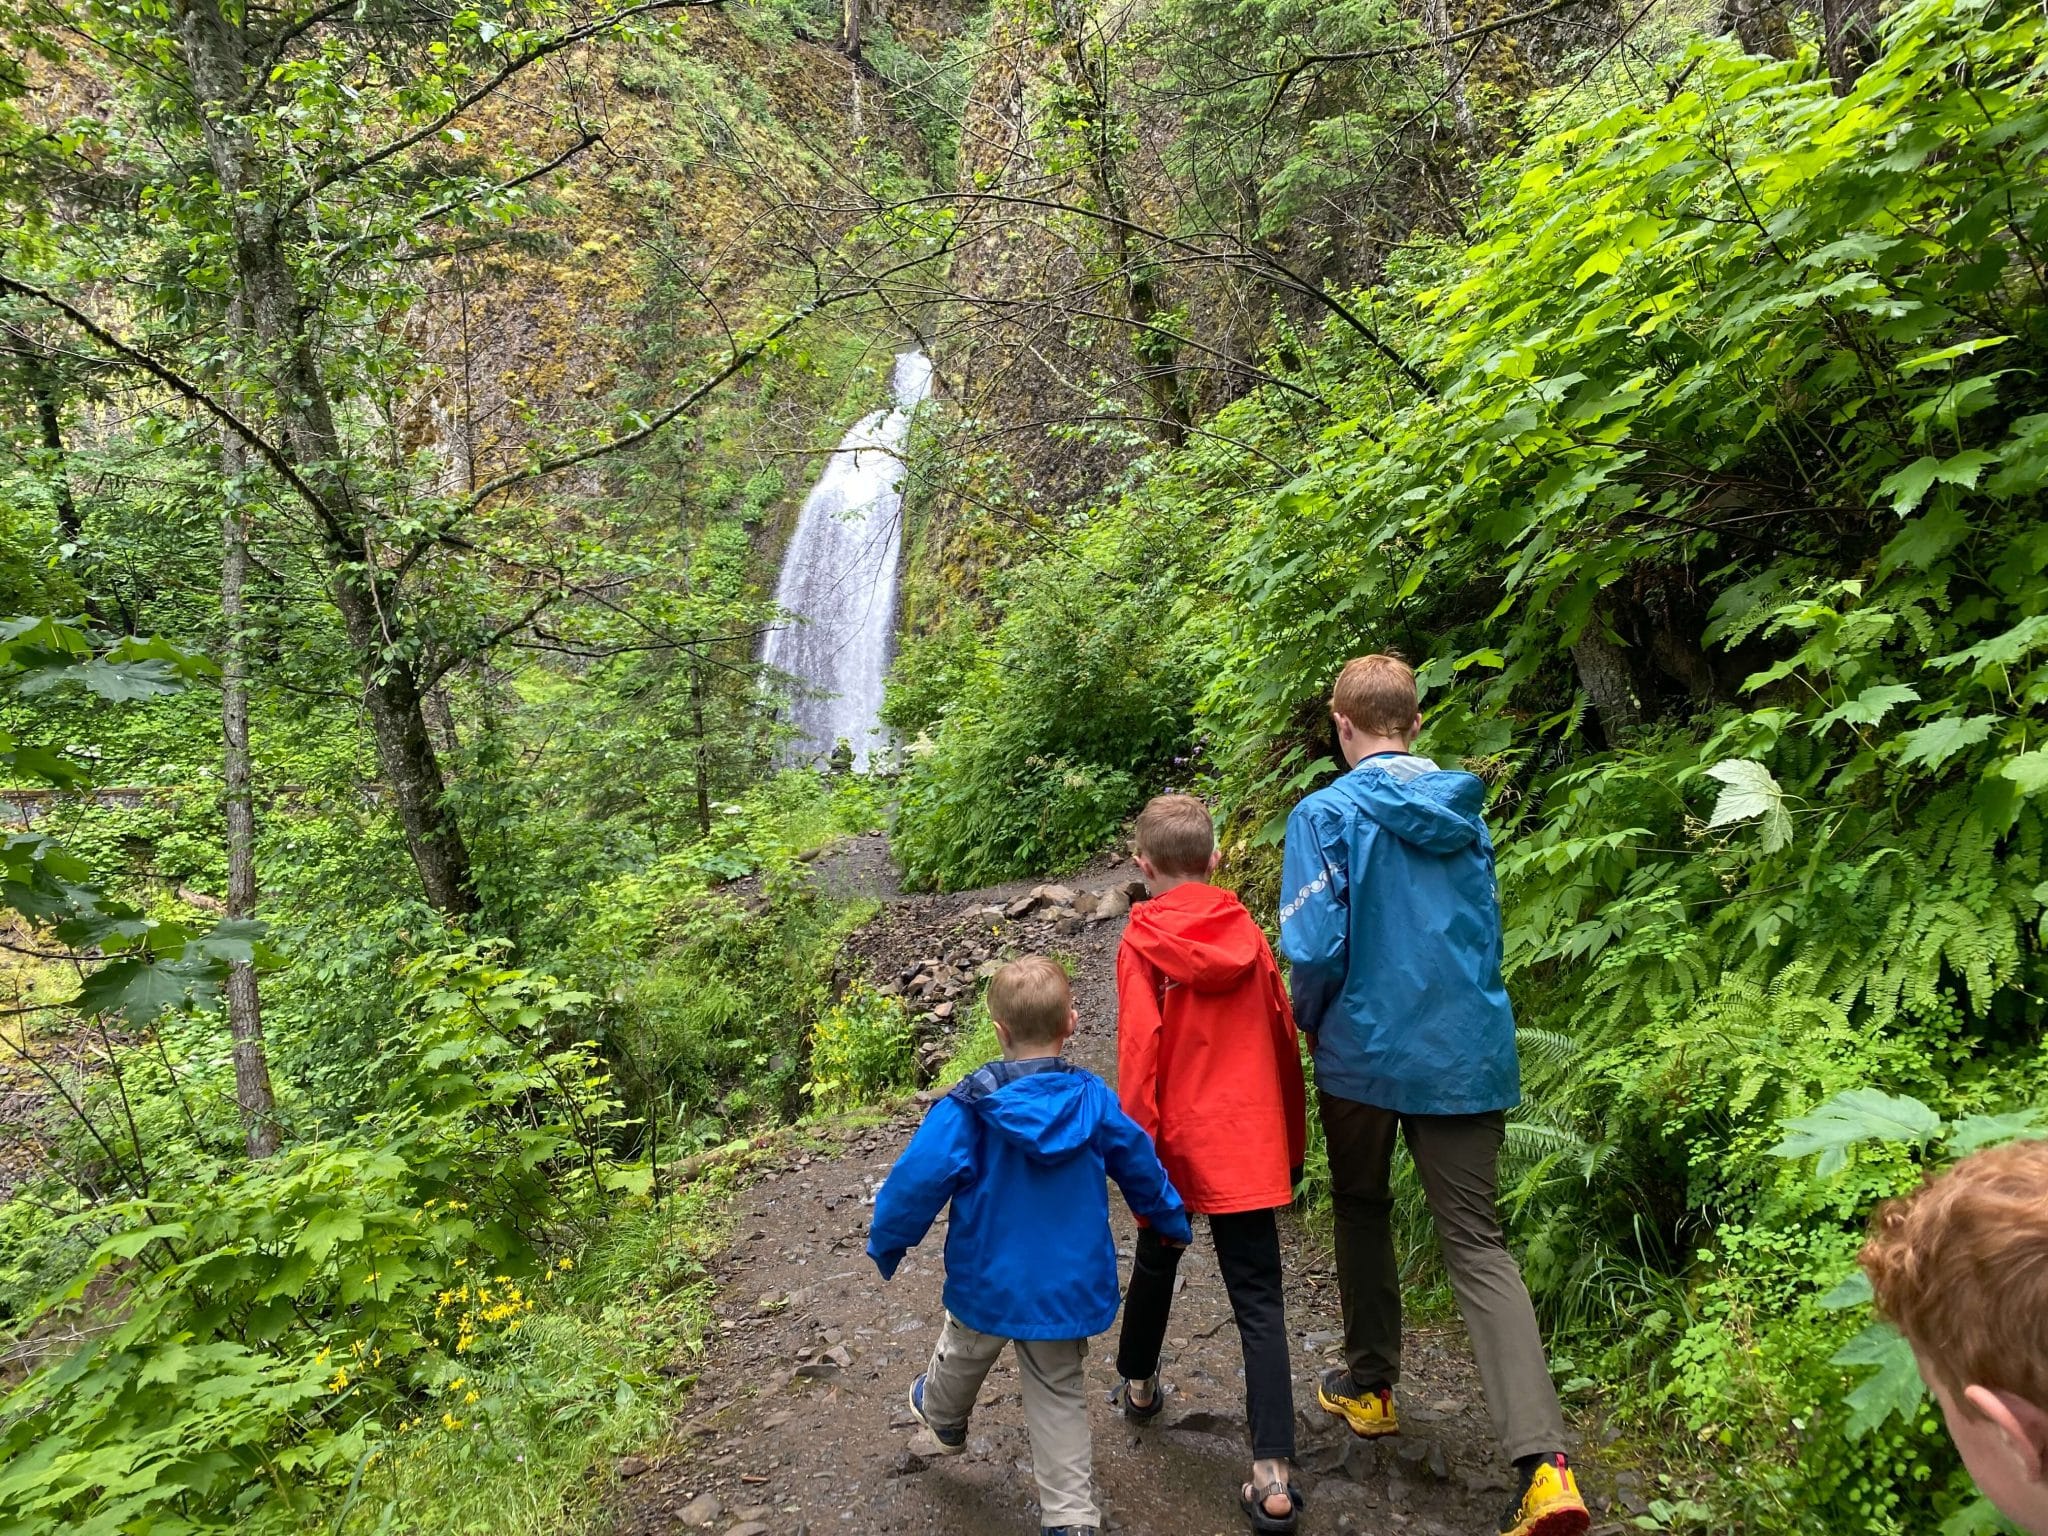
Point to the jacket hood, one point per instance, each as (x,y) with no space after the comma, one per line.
(1437,810)
(1043,1106)
(1198,935)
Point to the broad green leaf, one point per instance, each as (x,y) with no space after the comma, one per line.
(125,1245)
(1935,743)
(1908,487)
(2029,770)
(1974,1132)
(1751,791)
(1870,706)
(2001,650)
(1852,1290)
(1853,1117)
(636,1180)
(1894,1388)
(142,989)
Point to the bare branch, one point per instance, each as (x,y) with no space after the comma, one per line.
(490,87)
(177,383)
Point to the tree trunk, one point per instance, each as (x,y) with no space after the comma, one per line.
(360,588)
(1604,675)
(1760,26)
(1156,355)
(849,34)
(1436,21)
(703,747)
(42,384)
(1849,32)
(253,1097)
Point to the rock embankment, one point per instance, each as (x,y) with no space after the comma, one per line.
(934,952)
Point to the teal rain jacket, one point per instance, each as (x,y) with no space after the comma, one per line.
(1020,1148)
(1391,918)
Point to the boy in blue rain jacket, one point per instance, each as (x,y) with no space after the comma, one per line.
(1021,1148)
(1391,920)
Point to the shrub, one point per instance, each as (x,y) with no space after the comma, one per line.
(860,1050)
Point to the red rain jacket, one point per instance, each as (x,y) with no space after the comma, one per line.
(1207,1061)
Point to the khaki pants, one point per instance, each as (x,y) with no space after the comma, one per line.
(1458,1159)
(1055,1408)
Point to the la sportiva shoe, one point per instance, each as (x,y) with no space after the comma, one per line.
(1370,1414)
(1550,1504)
(932,1440)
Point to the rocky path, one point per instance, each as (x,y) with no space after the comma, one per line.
(798,1422)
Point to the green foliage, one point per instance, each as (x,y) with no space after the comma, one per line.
(280,1320)
(1046,738)
(860,1050)
(1711,506)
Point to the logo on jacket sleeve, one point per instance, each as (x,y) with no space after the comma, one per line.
(1319,884)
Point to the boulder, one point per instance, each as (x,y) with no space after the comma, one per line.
(1023,906)
(1113,903)
(701,1510)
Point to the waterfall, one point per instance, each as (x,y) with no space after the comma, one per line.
(838,583)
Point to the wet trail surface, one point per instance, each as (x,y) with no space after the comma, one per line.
(798,1423)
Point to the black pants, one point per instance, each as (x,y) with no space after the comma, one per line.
(1248,1253)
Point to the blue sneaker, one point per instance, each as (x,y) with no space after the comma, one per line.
(932,1440)
(1066,1530)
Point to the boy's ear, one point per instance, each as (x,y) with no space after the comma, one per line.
(1073,1023)
(2022,1425)
(1002,1031)
(1215,858)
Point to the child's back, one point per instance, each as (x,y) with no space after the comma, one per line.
(1021,1148)
(1206,1053)
(1208,1063)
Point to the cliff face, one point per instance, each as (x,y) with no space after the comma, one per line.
(723,161)
(1159,196)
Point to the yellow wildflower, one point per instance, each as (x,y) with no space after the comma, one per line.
(340,1379)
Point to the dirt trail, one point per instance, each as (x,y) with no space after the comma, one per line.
(798,1422)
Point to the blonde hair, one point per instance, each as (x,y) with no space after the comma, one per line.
(1377,694)
(1175,833)
(1030,998)
(1960,1266)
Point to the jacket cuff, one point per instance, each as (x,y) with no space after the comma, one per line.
(887,1260)
(1173,1226)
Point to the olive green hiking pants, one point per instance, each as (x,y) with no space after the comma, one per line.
(1458,1159)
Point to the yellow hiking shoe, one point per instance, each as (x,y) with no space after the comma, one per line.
(1370,1414)
(1550,1504)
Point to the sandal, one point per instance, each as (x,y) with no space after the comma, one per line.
(1140,1413)
(1253,1502)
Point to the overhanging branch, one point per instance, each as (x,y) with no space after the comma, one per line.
(177,383)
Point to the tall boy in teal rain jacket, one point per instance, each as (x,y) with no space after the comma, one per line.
(1391,919)
(1021,1149)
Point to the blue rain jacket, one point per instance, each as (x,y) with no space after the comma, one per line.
(1391,918)
(1021,1148)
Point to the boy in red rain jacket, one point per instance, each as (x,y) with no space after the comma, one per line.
(1207,1064)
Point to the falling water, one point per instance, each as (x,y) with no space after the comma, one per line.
(839,579)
